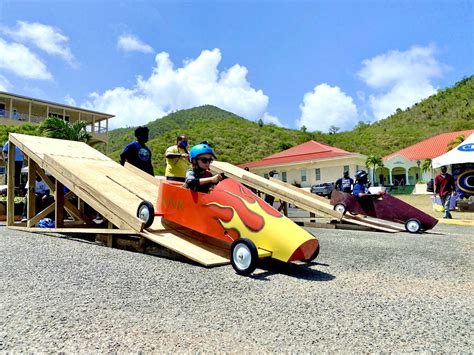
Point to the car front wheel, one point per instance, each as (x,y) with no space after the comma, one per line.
(243,256)
(146,213)
(340,208)
(413,225)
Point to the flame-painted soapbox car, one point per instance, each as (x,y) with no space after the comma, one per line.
(237,218)
(385,207)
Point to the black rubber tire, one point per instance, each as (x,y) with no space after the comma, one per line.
(249,247)
(340,204)
(312,257)
(411,222)
(151,213)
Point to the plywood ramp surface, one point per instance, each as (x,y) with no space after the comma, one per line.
(111,189)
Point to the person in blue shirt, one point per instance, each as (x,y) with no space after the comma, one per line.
(199,178)
(137,153)
(361,186)
(345,183)
(18,162)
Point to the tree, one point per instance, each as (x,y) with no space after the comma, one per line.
(455,142)
(54,127)
(260,123)
(333,129)
(426,165)
(303,129)
(373,161)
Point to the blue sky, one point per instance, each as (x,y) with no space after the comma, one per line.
(314,63)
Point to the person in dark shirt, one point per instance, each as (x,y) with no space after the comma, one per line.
(137,153)
(345,183)
(361,186)
(199,178)
(444,187)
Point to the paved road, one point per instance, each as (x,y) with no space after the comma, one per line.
(368,292)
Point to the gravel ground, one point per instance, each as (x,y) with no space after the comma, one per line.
(367,292)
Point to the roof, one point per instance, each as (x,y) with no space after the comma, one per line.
(429,148)
(44,102)
(308,151)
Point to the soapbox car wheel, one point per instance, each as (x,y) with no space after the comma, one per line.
(413,225)
(340,208)
(243,256)
(146,213)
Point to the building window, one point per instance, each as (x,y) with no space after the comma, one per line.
(283,176)
(303,175)
(317,172)
(346,168)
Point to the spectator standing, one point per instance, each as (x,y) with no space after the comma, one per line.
(269,198)
(137,153)
(444,187)
(18,162)
(345,183)
(177,160)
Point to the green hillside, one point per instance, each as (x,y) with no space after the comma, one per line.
(238,140)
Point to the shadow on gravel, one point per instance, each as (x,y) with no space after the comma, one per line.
(299,271)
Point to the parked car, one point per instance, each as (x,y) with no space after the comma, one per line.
(430,186)
(323,189)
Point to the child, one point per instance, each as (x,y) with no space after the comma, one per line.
(199,178)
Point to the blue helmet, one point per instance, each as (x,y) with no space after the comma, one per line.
(199,149)
(46,223)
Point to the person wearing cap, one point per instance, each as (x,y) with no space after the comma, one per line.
(345,183)
(137,153)
(199,178)
(444,187)
(177,160)
(18,162)
(361,186)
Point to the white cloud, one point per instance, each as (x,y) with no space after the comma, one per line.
(131,43)
(267,118)
(327,106)
(197,82)
(70,100)
(19,60)
(47,38)
(4,83)
(402,78)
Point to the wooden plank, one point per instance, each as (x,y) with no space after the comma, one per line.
(141,173)
(76,230)
(59,202)
(204,255)
(31,193)
(277,190)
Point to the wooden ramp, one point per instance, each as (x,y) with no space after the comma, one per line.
(298,197)
(112,190)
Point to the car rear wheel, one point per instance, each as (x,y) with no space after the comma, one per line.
(413,225)
(340,208)
(146,213)
(243,256)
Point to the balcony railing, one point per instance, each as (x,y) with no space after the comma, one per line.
(22,117)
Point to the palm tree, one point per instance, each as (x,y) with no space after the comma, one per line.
(373,161)
(54,127)
(426,165)
(455,142)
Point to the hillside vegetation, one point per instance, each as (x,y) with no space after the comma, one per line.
(238,140)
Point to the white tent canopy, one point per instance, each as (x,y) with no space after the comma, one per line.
(463,153)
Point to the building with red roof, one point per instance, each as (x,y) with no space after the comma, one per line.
(405,165)
(309,163)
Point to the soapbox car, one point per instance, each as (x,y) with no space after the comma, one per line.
(385,207)
(235,217)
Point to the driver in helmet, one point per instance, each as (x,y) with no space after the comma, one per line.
(199,178)
(361,186)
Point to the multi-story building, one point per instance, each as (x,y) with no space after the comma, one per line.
(20,110)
